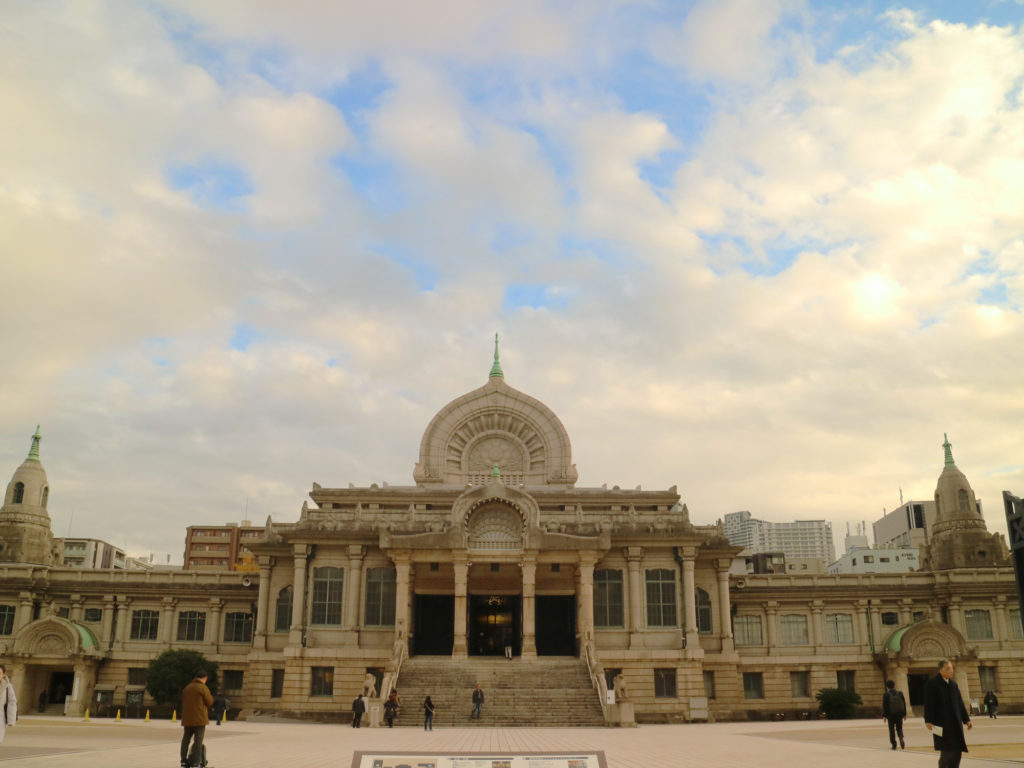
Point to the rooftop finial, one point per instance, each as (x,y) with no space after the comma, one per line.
(33,454)
(949,451)
(496,472)
(496,368)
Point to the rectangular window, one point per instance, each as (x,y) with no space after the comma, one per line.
(233,679)
(192,626)
(238,627)
(845,680)
(800,685)
(283,610)
(794,629)
(747,630)
(93,615)
(1016,629)
(328,588)
(979,624)
(6,619)
(709,684)
(839,628)
(664,683)
(661,598)
(144,625)
(890,618)
(988,678)
(321,681)
(608,598)
(276,683)
(753,685)
(918,615)
(137,675)
(380,597)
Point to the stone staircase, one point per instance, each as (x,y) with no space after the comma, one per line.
(521,693)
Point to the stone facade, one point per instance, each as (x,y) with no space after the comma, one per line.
(494,545)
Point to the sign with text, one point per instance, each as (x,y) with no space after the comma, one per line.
(478,760)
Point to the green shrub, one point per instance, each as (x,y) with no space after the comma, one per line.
(838,703)
(171,671)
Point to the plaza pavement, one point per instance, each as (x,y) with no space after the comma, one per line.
(54,742)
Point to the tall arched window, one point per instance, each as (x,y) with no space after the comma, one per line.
(703,602)
(19,493)
(965,504)
(46,495)
(283,613)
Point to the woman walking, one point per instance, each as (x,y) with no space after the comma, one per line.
(391,709)
(428,714)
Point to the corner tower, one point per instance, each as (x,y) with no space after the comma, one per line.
(25,533)
(959,538)
(496,425)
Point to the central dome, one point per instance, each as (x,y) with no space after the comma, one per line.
(496,426)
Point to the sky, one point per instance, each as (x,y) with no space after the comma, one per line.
(768,251)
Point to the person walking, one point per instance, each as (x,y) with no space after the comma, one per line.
(991,704)
(8,703)
(428,714)
(945,716)
(391,709)
(196,701)
(358,707)
(894,710)
(220,706)
(478,702)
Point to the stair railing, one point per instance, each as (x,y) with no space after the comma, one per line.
(596,672)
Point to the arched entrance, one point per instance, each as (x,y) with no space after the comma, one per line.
(912,653)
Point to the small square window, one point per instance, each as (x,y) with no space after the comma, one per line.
(664,683)
(495,567)
(556,567)
(434,567)
(233,679)
(92,615)
(753,685)
(321,681)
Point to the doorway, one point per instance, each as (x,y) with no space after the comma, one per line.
(494,623)
(915,684)
(434,622)
(60,686)
(556,625)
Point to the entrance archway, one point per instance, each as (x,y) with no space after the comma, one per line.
(494,622)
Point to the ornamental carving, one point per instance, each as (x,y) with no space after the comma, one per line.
(496,527)
(52,645)
(491,451)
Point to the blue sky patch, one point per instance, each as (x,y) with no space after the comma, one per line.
(243,336)
(519,295)
(211,184)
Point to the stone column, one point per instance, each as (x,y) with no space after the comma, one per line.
(76,608)
(724,606)
(862,626)
(690,599)
(585,596)
(875,622)
(899,676)
(461,568)
(298,594)
(107,628)
(636,615)
(353,588)
(960,675)
(403,572)
(771,612)
(167,635)
(529,566)
(124,610)
(1002,624)
(817,628)
(956,620)
(81,688)
(213,629)
(262,604)
(906,614)
(23,614)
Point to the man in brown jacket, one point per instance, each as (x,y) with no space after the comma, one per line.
(196,701)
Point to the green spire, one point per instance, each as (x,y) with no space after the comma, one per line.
(496,368)
(949,451)
(33,454)
(496,472)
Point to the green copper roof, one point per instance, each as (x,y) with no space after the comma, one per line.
(33,454)
(892,643)
(496,368)
(949,451)
(88,638)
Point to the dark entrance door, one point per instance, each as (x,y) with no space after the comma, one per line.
(60,686)
(556,625)
(493,624)
(435,625)
(916,685)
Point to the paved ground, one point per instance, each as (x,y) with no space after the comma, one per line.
(53,742)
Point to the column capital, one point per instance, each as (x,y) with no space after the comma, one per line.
(722,565)
(688,553)
(771,606)
(300,550)
(265,561)
(401,557)
(633,554)
(356,551)
(216,603)
(169,602)
(587,557)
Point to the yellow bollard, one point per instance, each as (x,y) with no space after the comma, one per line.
(86,719)
(147,715)
(118,718)
(224,717)
(174,715)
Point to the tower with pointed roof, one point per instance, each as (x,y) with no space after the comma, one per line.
(25,533)
(959,537)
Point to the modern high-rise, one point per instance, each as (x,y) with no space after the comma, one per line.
(798,539)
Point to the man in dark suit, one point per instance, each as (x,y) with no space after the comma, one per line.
(945,714)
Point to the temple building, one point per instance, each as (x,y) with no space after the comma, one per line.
(493,549)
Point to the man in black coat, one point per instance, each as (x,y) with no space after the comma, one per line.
(945,714)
